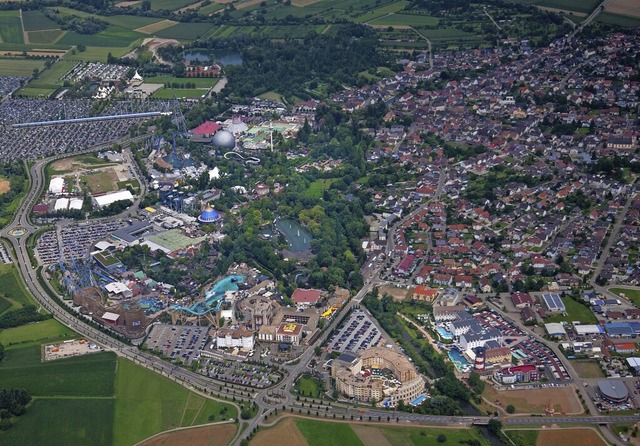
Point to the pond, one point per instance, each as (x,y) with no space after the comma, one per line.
(221,57)
(298,238)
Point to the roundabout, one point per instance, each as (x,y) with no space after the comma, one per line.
(18,232)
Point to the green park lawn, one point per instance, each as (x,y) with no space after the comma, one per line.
(308,386)
(575,312)
(632,295)
(316,189)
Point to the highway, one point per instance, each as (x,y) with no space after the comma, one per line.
(264,398)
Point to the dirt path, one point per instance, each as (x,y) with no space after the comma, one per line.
(155,43)
(210,435)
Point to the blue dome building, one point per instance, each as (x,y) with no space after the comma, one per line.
(209,215)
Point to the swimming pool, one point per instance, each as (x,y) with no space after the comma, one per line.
(444,334)
(418,400)
(458,360)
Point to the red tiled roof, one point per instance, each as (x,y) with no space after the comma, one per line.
(305,296)
(206,128)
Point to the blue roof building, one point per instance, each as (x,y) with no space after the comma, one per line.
(209,215)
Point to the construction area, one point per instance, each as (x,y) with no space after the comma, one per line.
(68,349)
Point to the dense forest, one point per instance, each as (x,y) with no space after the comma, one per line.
(22,316)
(12,404)
(16,174)
(291,66)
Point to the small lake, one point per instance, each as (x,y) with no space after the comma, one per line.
(221,57)
(298,238)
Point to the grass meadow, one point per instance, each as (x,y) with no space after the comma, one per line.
(11,287)
(49,330)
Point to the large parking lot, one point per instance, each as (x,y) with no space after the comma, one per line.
(526,349)
(244,373)
(178,342)
(358,333)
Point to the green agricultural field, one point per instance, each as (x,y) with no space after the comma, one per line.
(405,20)
(130,21)
(169,5)
(585,6)
(101,54)
(11,29)
(316,188)
(12,66)
(28,92)
(210,9)
(624,21)
(381,11)
(147,403)
(83,376)
(113,36)
(632,295)
(45,37)
(169,93)
(318,433)
(48,81)
(200,82)
(575,312)
(63,422)
(185,31)
(36,20)
(49,330)
(11,287)
(398,436)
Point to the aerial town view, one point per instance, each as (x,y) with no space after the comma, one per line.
(319,222)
